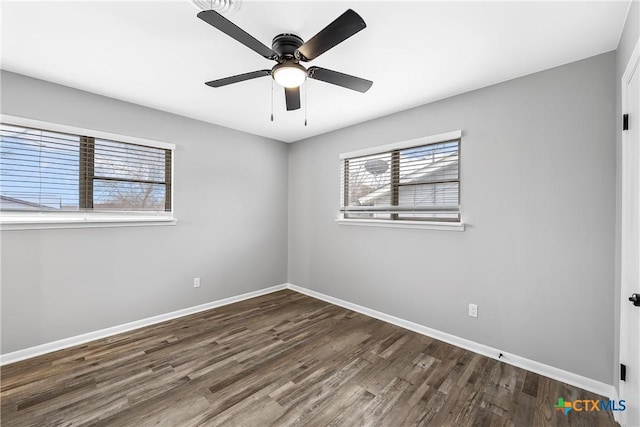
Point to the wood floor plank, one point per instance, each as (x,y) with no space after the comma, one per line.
(282,359)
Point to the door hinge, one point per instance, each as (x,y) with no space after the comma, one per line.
(623,372)
(625,122)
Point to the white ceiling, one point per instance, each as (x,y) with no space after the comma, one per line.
(158,54)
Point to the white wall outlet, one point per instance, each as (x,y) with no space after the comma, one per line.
(196,282)
(473,310)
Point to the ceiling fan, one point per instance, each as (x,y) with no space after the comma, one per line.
(288,50)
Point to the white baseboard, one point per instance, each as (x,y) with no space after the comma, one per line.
(585,383)
(576,380)
(114,330)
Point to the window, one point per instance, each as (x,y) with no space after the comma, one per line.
(48,174)
(416,180)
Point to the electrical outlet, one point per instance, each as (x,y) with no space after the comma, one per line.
(473,310)
(196,282)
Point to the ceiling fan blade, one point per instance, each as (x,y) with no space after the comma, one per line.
(340,79)
(292,95)
(238,78)
(218,21)
(336,32)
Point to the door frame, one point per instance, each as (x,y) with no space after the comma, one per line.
(626,262)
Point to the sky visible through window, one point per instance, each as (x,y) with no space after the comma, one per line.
(39,167)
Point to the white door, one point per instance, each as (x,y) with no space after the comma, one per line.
(630,257)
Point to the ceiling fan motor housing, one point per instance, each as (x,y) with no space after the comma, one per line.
(285,45)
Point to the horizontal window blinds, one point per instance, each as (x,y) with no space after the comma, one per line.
(415,183)
(52,171)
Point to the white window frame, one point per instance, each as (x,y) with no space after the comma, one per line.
(87,219)
(426,225)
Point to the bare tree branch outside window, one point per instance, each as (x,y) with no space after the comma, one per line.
(128,177)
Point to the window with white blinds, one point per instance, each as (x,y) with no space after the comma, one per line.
(47,171)
(414,181)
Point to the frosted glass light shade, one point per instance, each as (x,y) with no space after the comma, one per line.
(289,74)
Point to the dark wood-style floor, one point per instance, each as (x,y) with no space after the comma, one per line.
(281,359)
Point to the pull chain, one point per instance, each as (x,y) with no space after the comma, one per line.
(271,99)
(306,89)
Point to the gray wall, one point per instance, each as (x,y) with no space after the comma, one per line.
(538,198)
(628,39)
(231,205)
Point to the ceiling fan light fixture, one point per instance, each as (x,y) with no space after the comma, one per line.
(288,49)
(289,74)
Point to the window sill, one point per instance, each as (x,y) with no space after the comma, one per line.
(442,226)
(8,223)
